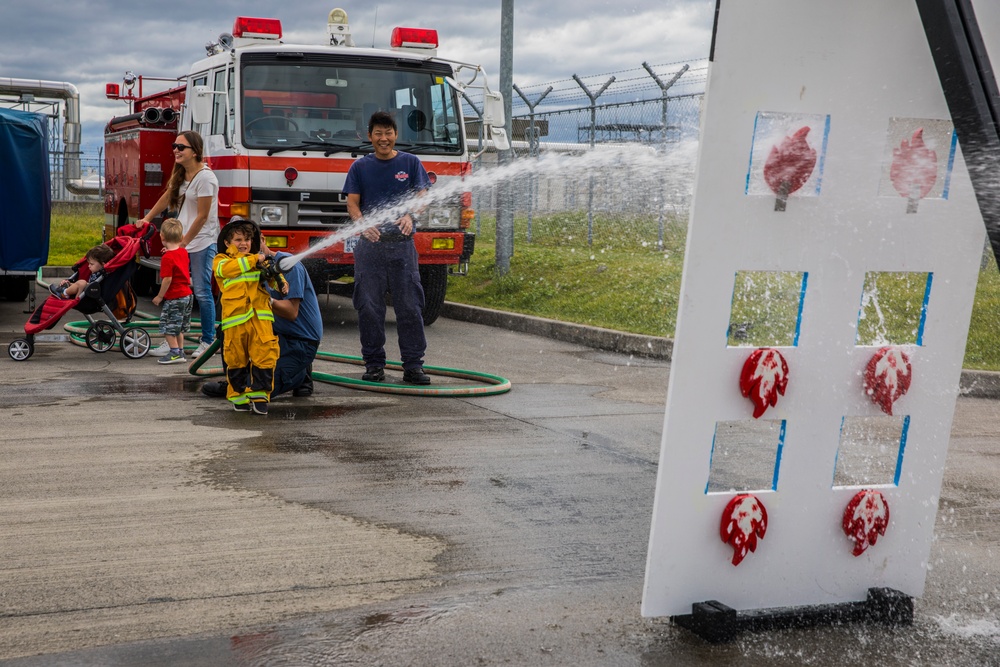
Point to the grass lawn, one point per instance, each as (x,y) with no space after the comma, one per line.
(75,228)
(624,280)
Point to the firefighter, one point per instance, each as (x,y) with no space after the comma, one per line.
(250,348)
(385,256)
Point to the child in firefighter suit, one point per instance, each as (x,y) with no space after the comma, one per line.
(250,348)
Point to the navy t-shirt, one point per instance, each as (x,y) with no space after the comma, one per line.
(383,183)
(309,323)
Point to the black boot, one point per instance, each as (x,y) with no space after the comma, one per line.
(306,388)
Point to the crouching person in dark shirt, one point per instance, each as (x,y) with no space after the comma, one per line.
(299,327)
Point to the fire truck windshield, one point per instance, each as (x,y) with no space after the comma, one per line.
(305,103)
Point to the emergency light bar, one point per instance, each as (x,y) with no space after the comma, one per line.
(414,38)
(248,26)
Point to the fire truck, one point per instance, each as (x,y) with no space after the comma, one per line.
(283,123)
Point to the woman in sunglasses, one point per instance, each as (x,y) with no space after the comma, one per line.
(193,193)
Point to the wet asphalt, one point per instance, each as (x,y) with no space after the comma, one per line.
(145,524)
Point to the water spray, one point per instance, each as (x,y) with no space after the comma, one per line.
(676,165)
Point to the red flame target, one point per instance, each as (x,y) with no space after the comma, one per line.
(914,169)
(865,518)
(744,521)
(764,376)
(789,166)
(887,377)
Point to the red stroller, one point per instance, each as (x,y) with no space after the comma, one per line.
(109,293)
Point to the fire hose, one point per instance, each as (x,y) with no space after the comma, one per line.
(487,384)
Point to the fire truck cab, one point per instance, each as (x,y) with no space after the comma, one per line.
(283,123)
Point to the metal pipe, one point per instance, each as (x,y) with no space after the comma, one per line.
(151,116)
(71,128)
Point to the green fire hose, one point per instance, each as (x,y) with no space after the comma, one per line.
(488,385)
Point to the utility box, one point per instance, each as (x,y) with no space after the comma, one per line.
(27,200)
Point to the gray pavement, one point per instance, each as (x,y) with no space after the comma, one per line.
(146,524)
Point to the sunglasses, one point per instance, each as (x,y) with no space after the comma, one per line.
(179,147)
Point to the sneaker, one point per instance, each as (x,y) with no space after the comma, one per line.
(172,358)
(200,350)
(58,291)
(259,407)
(242,407)
(415,376)
(215,389)
(374,374)
(162,350)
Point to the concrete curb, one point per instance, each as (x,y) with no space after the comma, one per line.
(596,337)
(975,384)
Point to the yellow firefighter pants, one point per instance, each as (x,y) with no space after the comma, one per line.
(251,352)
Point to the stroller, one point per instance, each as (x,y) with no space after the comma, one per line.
(111,294)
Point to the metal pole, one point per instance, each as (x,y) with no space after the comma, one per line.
(593,129)
(505,204)
(532,147)
(663,127)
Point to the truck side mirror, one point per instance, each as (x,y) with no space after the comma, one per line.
(495,120)
(200,104)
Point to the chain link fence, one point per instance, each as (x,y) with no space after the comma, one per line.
(635,196)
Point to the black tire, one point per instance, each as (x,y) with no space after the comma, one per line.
(134,343)
(434,279)
(101,336)
(20,349)
(15,288)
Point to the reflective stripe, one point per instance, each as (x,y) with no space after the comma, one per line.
(257,394)
(234,320)
(244,263)
(242,318)
(242,278)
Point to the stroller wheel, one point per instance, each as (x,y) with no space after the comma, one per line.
(101,336)
(20,349)
(135,343)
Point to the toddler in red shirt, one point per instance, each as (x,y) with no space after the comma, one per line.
(175,291)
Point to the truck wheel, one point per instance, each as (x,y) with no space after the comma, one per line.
(15,288)
(434,279)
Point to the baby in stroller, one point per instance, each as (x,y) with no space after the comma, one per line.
(96,258)
(105,290)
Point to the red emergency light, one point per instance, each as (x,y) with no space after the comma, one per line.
(112,91)
(414,38)
(248,26)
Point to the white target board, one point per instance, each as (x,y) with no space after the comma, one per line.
(830,270)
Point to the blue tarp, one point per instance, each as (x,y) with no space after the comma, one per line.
(25,195)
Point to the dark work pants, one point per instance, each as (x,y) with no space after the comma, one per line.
(294,359)
(292,369)
(379,266)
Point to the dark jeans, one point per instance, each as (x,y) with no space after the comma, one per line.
(389,265)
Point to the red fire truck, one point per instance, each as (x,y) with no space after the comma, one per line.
(283,123)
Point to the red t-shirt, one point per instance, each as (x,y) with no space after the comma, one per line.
(176,265)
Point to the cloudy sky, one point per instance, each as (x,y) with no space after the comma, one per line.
(94,42)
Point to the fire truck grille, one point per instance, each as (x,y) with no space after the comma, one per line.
(307,215)
(306,209)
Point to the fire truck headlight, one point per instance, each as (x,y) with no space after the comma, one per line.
(272,214)
(440,217)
